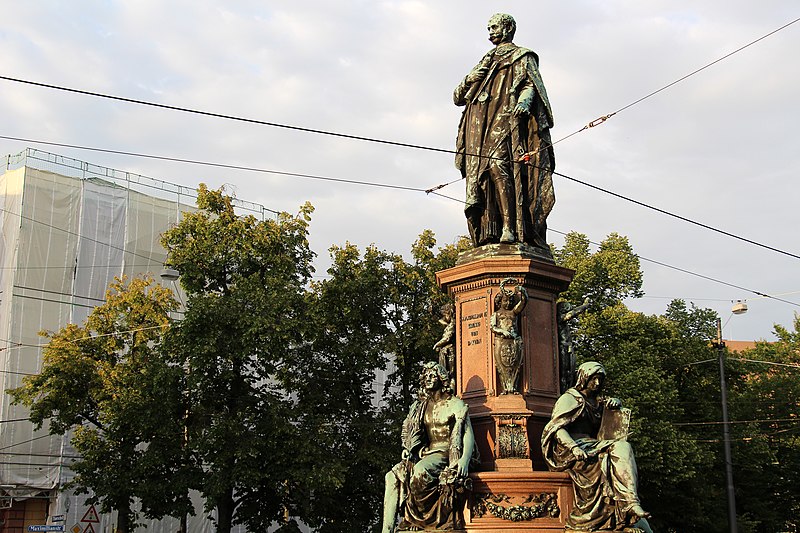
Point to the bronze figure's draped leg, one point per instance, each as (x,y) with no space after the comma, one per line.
(446,346)
(602,467)
(507,348)
(503,146)
(508,360)
(429,487)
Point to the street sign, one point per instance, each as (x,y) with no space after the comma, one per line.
(46,528)
(91,515)
(57,518)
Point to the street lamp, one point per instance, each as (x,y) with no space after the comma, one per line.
(170,274)
(739,307)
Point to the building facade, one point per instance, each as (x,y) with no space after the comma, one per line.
(67,228)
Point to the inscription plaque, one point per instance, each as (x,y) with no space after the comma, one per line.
(473,340)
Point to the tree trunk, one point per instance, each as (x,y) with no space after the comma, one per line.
(123,520)
(225,507)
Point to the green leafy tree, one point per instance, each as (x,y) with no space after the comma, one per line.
(245,317)
(606,277)
(110,381)
(650,361)
(334,386)
(766,451)
(376,310)
(414,305)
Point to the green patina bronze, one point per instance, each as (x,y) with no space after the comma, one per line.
(429,487)
(503,147)
(585,439)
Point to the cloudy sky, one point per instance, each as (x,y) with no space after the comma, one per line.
(720,147)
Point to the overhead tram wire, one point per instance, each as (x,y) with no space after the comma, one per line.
(433,191)
(227,117)
(84,237)
(675,215)
(602,119)
(216,165)
(702,276)
(591,124)
(400,187)
(352,136)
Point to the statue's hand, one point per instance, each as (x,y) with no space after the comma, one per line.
(477,75)
(613,403)
(579,454)
(522,108)
(406,455)
(463,466)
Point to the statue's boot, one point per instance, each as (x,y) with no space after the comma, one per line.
(508,235)
(636,513)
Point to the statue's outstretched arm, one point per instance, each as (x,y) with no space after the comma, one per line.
(467,448)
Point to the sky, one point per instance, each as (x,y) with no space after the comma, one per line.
(719,147)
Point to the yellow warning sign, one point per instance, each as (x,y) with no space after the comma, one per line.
(91,516)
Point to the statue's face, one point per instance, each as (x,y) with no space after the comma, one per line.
(498,31)
(595,383)
(430,380)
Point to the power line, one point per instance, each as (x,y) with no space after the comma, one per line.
(760,421)
(415,189)
(674,215)
(72,267)
(708,278)
(691,273)
(726,56)
(602,119)
(48,435)
(795,366)
(594,123)
(409,145)
(218,165)
(81,237)
(227,117)
(59,293)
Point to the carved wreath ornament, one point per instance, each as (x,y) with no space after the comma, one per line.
(534,506)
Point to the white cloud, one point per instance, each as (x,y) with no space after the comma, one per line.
(719,147)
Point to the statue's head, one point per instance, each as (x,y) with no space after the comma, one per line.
(434,376)
(447,311)
(501,28)
(586,372)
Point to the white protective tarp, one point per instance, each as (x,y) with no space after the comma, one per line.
(62,240)
(39,289)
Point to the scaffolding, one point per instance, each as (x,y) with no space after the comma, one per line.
(67,228)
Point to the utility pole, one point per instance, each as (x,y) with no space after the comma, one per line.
(726,437)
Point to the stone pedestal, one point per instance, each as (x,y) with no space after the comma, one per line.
(508,427)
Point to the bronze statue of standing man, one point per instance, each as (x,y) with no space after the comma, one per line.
(503,146)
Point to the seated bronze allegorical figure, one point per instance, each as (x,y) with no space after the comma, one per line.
(603,470)
(428,488)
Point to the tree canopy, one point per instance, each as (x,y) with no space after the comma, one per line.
(110,380)
(279,396)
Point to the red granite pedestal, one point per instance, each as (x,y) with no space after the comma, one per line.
(514,491)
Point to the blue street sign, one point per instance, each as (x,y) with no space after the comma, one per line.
(46,528)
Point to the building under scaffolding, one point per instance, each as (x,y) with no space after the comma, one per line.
(67,228)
